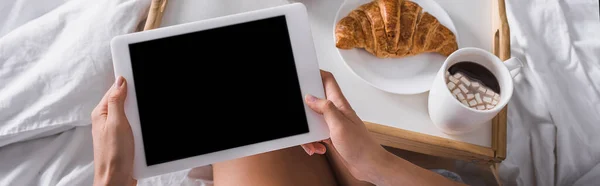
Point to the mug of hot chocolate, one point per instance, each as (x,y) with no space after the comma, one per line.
(471,87)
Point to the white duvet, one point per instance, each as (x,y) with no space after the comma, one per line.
(55,65)
(554,115)
(54,68)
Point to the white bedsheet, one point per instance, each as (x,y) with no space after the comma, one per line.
(61,159)
(554,116)
(55,65)
(55,68)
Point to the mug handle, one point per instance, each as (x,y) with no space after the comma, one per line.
(514,66)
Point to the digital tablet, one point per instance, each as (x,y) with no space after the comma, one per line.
(220,89)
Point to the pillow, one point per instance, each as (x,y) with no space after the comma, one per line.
(56,68)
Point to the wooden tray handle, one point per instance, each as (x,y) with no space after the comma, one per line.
(155,13)
(501,49)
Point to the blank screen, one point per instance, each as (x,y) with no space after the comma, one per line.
(217,89)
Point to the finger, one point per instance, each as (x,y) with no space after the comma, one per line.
(319,148)
(314,103)
(101,109)
(333,91)
(116,98)
(333,117)
(308,148)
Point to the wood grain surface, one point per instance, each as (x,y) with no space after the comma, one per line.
(501,49)
(155,13)
(431,145)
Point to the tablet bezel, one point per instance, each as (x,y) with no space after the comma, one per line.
(306,66)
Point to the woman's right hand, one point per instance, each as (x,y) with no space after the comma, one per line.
(348,134)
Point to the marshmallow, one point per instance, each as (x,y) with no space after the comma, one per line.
(454,80)
(478,98)
(463,88)
(460,97)
(490,92)
(451,85)
(471,92)
(487,99)
(481,89)
(470,96)
(465,81)
(457,75)
(456,91)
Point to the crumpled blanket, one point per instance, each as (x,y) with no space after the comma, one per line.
(554,115)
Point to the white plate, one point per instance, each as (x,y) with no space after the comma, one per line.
(405,75)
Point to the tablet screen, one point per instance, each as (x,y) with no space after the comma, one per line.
(217,89)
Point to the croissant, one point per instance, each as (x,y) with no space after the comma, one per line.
(393,28)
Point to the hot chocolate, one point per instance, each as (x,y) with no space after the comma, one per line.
(473,85)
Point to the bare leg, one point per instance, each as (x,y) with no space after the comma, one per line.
(291,166)
(424,161)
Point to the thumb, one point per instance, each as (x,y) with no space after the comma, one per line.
(333,117)
(116,99)
(317,104)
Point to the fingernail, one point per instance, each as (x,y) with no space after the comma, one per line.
(310,152)
(119,82)
(320,150)
(311,98)
(305,149)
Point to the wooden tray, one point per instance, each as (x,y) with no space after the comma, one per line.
(438,146)
(423,143)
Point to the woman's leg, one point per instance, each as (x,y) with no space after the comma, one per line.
(291,166)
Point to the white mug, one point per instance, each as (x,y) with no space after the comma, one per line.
(451,116)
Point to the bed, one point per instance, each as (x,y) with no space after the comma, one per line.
(55,65)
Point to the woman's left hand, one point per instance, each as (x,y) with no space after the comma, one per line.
(113,139)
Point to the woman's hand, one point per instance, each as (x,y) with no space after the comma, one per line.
(348,134)
(113,139)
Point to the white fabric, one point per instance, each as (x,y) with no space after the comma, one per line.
(14,13)
(61,159)
(55,68)
(554,116)
(55,65)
